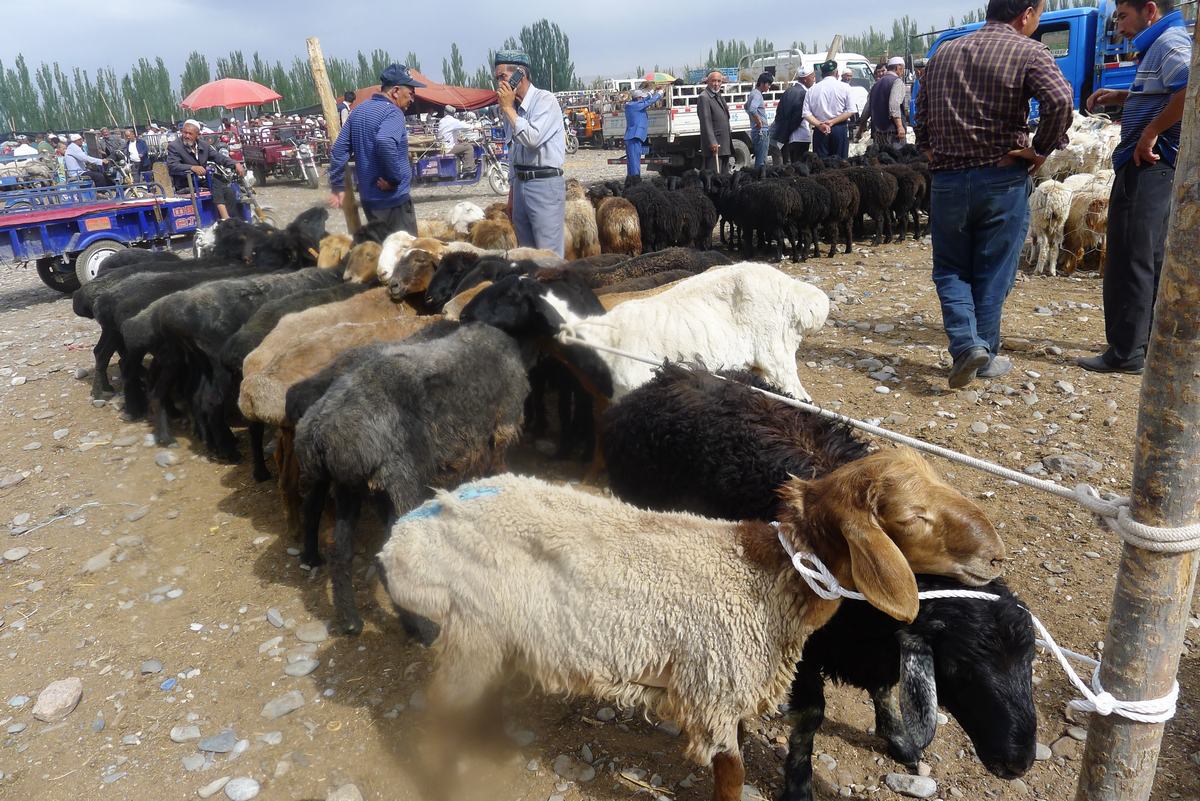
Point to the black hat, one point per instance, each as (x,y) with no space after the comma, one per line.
(766,77)
(398,75)
(829,67)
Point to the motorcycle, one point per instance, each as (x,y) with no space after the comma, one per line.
(307,162)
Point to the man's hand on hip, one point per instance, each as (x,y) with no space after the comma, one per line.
(1143,152)
(1025,154)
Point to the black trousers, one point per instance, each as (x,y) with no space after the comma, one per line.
(1139,208)
(792,151)
(396,218)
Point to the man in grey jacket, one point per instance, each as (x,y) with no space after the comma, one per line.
(714,124)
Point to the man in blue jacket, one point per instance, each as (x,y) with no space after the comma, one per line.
(375,136)
(637,124)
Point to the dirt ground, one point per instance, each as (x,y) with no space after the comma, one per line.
(165,582)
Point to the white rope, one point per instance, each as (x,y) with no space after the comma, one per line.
(1095,698)
(1116,513)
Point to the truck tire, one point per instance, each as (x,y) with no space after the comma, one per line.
(58,280)
(741,154)
(90,262)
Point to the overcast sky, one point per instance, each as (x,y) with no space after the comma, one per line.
(608,38)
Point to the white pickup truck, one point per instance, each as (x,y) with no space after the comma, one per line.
(674,126)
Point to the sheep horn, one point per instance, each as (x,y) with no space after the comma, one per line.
(918,689)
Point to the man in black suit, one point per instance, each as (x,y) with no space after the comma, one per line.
(190,154)
(714,124)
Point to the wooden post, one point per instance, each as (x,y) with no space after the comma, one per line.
(1154,591)
(835,47)
(333,126)
(111,116)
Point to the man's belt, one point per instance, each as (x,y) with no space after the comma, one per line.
(527,173)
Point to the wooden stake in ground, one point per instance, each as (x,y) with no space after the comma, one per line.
(333,126)
(1154,591)
(111,116)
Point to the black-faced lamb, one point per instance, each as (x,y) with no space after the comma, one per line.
(545,579)
(876,194)
(416,414)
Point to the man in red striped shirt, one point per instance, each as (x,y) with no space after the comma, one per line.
(972,121)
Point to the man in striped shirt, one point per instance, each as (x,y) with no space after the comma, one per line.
(375,136)
(972,121)
(1139,205)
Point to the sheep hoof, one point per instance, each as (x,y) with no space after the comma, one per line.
(261,473)
(311,562)
(352,628)
(903,752)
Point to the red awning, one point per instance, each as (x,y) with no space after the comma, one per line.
(436,96)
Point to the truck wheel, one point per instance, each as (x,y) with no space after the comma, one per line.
(741,154)
(58,280)
(90,262)
(260,175)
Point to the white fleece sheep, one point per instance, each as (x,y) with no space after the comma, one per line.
(699,620)
(396,245)
(462,215)
(1048,208)
(745,315)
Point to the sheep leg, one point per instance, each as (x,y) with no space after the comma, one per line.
(105,347)
(916,218)
(902,221)
(349,504)
(160,394)
(729,775)
(132,374)
(807,703)
(849,236)
(223,441)
(311,510)
(289,480)
(261,473)
(890,726)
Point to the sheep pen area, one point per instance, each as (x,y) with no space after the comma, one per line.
(167,584)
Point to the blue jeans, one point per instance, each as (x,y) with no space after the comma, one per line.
(633,154)
(836,143)
(979,218)
(762,145)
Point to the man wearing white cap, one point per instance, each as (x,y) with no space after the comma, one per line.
(789,128)
(886,107)
(451,132)
(79,163)
(637,127)
(23,148)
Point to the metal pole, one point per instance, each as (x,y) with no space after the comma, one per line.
(1154,591)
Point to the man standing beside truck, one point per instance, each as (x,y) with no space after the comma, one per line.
(637,129)
(972,121)
(828,109)
(713,112)
(1139,205)
(756,110)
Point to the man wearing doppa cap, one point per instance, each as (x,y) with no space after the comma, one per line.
(885,106)
(533,127)
(790,128)
(374,134)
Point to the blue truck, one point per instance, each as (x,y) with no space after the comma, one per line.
(1084,43)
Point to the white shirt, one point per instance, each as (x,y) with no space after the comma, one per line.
(447,130)
(858,96)
(803,133)
(25,150)
(133,152)
(827,99)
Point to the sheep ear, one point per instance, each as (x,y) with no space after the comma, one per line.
(918,689)
(880,571)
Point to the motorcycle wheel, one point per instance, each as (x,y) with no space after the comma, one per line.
(312,178)
(572,143)
(498,179)
(64,282)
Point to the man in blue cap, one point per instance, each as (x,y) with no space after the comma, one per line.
(375,136)
(533,127)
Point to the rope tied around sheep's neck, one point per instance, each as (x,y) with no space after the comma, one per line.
(1116,512)
(820,580)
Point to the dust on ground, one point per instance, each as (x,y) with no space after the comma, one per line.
(167,584)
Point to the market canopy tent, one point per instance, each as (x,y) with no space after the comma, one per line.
(230,93)
(436,96)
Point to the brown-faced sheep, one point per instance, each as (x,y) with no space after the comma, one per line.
(334,248)
(496,211)
(495,234)
(362,264)
(618,227)
(437,229)
(581,235)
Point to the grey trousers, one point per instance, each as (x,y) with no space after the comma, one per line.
(1139,209)
(397,218)
(537,213)
(465,152)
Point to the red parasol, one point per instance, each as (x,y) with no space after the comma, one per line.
(230,93)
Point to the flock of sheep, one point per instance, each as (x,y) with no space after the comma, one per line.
(393,367)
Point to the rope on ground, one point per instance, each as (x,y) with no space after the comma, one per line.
(1115,513)
(1095,698)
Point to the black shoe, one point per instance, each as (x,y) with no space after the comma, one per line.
(962,372)
(1099,364)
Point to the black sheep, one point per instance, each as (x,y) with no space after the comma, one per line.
(817,204)
(876,194)
(842,210)
(670,259)
(910,196)
(689,441)
(450,270)
(773,209)
(418,415)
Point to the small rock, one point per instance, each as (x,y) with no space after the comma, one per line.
(81,373)
(137,514)
(58,700)
(347,792)
(605,714)
(18,701)
(100,560)
(17,380)
(911,786)
(301,667)
(213,787)
(884,328)
(193,762)
(221,743)
(923,769)
(16,728)
(1065,387)
(1042,753)
(181,734)
(16,554)
(572,769)
(312,632)
(98,724)
(243,788)
(883,390)
(271,644)
(60,434)
(1066,747)
(278,707)
(11,480)
(271,738)
(979,428)
(165,459)
(275,618)
(1077,733)
(970,396)
(152,666)
(1056,569)
(31,446)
